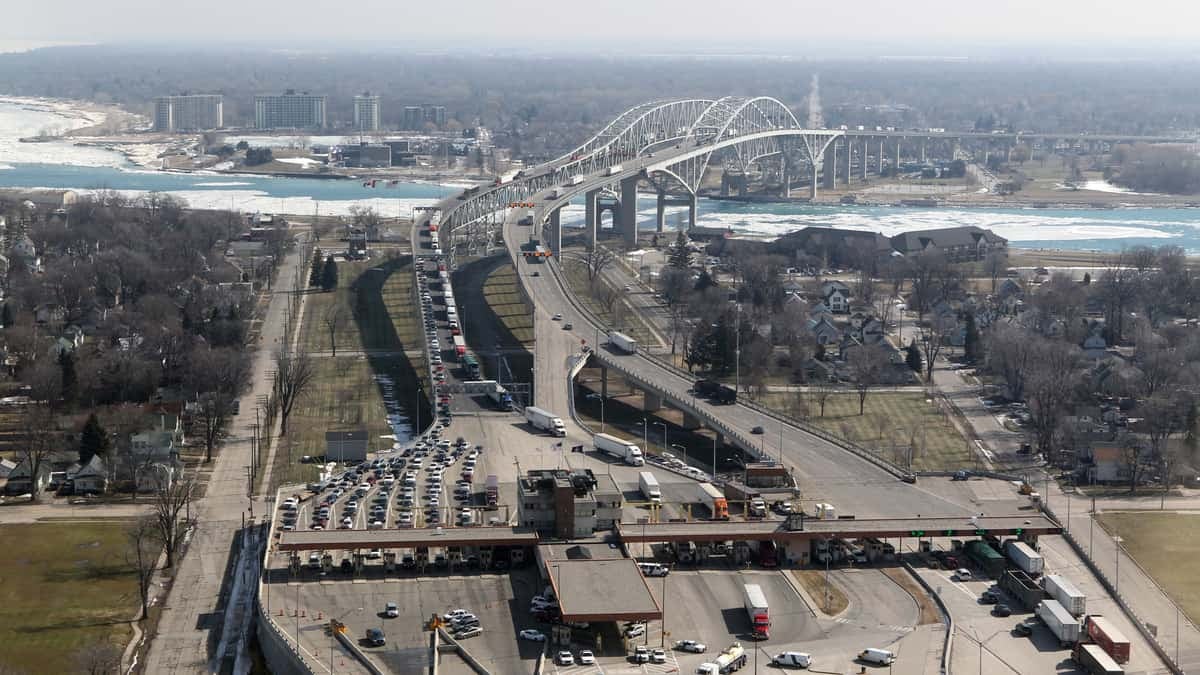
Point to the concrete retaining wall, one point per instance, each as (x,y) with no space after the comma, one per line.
(948,640)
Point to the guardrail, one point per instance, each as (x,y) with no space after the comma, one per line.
(948,640)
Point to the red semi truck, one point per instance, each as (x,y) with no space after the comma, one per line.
(1101,631)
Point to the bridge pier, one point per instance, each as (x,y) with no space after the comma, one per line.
(898,142)
(691,211)
(880,158)
(591,218)
(924,141)
(829,171)
(812,185)
(651,402)
(849,158)
(628,211)
(862,160)
(554,236)
(660,219)
(690,421)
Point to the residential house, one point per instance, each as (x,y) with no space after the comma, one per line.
(1095,346)
(957,244)
(818,311)
(792,287)
(49,313)
(91,478)
(166,416)
(6,467)
(21,478)
(836,296)
(153,459)
(1105,463)
(1009,288)
(824,331)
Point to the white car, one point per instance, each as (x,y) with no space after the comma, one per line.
(691,646)
(533,635)
(455,613)
(565,658)
(636,630)
(391,610)
(587,658)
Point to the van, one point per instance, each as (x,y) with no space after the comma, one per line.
(792,659)
(878,657)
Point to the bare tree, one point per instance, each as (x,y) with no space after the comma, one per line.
(931,345)
(142,556)
(821,390)
(36,444)
(1050,387)
(994,265)
(596,261)
(170,504)
(334,319)
(1008,353)
(866,363)
(1133,451)
(1117,288)
(100,657)
(294,373)
(212,413)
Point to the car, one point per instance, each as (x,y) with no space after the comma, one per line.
(1001,610)
(567,326)
(636,630)
(641,654)
(1022,630)
(989,598)
(564,658)
(691,646)
(795,659)
(468,632)
(533,635)
(658,656)
(536,274)
(471,622)
(961,475)
(756,430)
(587,658)
(375,637)
(557,317)
(391,610)
(962,574)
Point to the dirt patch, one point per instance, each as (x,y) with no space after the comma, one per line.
(831,601)
(929,609)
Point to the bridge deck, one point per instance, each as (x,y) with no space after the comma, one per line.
(842,529)
(330,540)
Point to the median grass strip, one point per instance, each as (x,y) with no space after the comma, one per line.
(1162,542)
(621,318)
(892,422)
(829,598)
(929,612)
(63,586)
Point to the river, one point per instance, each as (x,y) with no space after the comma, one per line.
(62,165)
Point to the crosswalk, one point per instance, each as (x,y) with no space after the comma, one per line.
(898,629)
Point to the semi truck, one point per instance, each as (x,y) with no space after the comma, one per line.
(649,487)
(715,391)
(460,345)
(710,496)
(1065,593)
(613,170)
(492,491)
(1060,622)
(546,421)
(622,342)
(491,388)
(622,449)
(1095,661)
(1023,556)
(986,557)
(826,512)
(731,659)
(757,610)
(1102,631)
(1021,586)
(575,180)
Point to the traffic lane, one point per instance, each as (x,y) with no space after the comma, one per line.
(974,624)
(875,599)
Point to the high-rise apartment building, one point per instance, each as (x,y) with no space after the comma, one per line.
(289,111)
(189,112)
(436,114)
(413,118)
(366,112)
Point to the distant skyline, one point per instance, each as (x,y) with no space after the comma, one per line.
(1055,28)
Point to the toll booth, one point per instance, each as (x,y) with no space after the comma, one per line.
(485,557)
(516,556)
(741,552)
(454,555)
(389,562)
(326,563)
(359,560)
(422,557)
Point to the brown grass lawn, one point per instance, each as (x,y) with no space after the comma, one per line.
(62,586)
(892,422)
(813,582)
(1165,545)
(502,295)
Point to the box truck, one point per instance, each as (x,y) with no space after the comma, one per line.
(1023,556)
(757,610)
(1095,661)
(1102,631)
(622,449)
(548,422)
(648,484)
(1059,621)
(1065,593)
(710,496)
(622,342)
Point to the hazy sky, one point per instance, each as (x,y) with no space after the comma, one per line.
(795,26)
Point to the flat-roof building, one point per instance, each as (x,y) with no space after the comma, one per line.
(190,112)
(366,112)
(413,118)
(569,503)
(289,111)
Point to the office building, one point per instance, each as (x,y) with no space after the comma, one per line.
(289,111)
(189,113)
(364,155)
(413,118)
(366,112)
(435,115)
(571,503)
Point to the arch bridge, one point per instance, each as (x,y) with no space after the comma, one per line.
(669,145)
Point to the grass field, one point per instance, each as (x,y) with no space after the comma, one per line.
(503,296)
(373,330)
(892,421)
(1162,543)
(64,587)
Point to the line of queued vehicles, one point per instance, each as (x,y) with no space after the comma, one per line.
(1096,643)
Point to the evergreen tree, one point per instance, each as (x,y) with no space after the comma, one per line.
(912,356)
(329,275)
(678,256)
(70,379)
(93,440)
(703,281)
(314,275)
(971,339)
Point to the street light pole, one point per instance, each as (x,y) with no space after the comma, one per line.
(664,427)
(645,437)
(737,364)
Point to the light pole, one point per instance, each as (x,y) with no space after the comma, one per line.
(714,462)
(663,632)
(681,449)
(664,428)
(645,437)
(1117,549)
(737,352)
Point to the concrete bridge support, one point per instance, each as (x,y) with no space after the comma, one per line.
(862,160)
(591,218)
(651,401)
(880,158)
(899,142)
(664,201)
(628,211)
(829,179)
(849,161)
(924,142)
(812,185)
(691,421)
(554,232)
(660,220)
